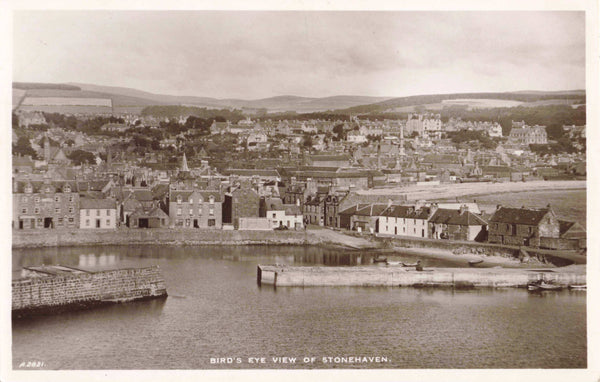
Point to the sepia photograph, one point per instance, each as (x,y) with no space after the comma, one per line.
(299,189)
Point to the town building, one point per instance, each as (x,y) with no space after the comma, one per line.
(195,209)
(522,226)
(45,204)
(457,224)
(97,213)
(528,135)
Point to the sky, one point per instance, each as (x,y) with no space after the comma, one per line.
(258,54)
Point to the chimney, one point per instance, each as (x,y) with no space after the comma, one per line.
(389,203)
(464,208)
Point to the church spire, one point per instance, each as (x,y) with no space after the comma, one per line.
(184,165)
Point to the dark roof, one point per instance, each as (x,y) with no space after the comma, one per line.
(251,172)
(455,217)
(274,204)
(97,204)
(406,212)
(519,215)
(352,210)
(372,210)
(152,213)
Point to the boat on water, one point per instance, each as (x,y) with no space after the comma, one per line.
(533,287)
(393,263)
(380,260)
(578,287)
(409,265)
(473,263)
(548,286)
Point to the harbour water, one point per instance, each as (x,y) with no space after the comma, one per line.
(216,314)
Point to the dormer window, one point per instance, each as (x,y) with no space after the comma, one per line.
(179,199)
(48,189)
(67,188)
(211,199)
(28,189)
(36,199)
(191,201)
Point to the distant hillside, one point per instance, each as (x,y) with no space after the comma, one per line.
(434,101)
(272,104)
(37,85)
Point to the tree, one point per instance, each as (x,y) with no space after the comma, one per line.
(307,141)
(338,130)
(80,156)
(23,147)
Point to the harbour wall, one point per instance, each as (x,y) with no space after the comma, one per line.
(58,238)
(42,295)
(397,276)
(556,257)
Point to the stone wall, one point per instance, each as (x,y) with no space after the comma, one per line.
(37,293)
(190,236)
(394,276)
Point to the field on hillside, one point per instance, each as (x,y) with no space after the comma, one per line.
(66,101)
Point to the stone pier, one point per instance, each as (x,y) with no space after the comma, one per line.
(290,276)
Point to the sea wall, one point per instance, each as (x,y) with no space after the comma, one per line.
(45,294)
(57,238)
(397,276)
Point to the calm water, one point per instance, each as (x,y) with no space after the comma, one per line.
(216,310)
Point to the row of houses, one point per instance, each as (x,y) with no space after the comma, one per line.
(510,226)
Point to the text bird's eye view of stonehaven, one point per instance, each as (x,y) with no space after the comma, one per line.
(298,190)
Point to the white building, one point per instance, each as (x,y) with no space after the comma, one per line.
(97,213)
(404,221)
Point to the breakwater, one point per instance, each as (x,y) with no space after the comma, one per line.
(408,277)
(56,293)
(60,238)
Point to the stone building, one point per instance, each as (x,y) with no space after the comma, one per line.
(522,226)
(196,209)
(242,202)
(45,204)
(528,135)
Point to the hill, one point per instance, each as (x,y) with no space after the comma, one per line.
(439,101)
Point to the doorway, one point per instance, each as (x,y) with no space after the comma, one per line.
(48,223)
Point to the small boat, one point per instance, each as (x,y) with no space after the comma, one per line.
(393,263)
(380,260)
(475,262)
(533,287)
(547,286)
(578,287)
(409,265)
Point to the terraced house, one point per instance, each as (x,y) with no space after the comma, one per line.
(97,213)
(404,221)
(45,204)
(195,209)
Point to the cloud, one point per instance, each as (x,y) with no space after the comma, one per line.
(259,54)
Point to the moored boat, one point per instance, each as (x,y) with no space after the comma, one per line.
(393,263)
(472,263)
(578,287)
(380,260)
(547,286)
(409,265)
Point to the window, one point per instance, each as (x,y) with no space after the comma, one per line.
(48,190)
(211,222)
(57,199)
(191,201)
(70,199)
(107,212)
(36,199)
(211,211)
(191,211)
(71,210)
(24,199)
(71,220)
(108,222)
(179,212)
(36,210)
(28,189)
(274,215)
(87,222)
(57,210)
(23,210)
(97,212)
(87,212)
(187,222)
(67,189)
(211,199)
(60,221)
(179,199)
